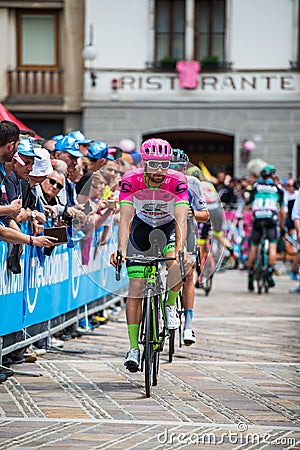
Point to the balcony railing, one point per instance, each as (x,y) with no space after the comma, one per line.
(35,83)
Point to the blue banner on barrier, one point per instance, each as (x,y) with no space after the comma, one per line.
(11,295)
(66,280)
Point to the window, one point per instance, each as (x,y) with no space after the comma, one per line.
(38,39)
(209,29)
(169,29)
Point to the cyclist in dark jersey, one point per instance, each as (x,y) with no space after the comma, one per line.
(267,204)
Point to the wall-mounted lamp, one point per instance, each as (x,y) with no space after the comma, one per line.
(89,53)
(247,148)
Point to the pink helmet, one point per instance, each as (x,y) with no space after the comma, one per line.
(156,149)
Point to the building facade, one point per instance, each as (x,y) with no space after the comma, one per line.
(246,86)
(207,75)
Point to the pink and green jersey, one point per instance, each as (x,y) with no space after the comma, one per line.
(154,206)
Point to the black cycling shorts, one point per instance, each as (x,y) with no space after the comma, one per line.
(271,229)
(143,240)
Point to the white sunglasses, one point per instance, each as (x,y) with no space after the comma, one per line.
(153,164)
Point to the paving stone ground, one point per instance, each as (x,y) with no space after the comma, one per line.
(237,388)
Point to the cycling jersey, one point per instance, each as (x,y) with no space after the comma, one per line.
(196,198)
(154,205)
(266,200)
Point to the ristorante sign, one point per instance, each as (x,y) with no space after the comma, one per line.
(212,83)
(137,85)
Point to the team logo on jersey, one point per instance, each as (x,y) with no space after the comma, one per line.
(180,187)
(126,186)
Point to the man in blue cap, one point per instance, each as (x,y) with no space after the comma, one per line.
(67,150)
(15,192)
(20,171)
(83,142)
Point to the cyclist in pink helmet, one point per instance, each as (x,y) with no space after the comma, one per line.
(154,202)
(156,149)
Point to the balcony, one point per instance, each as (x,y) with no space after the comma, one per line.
(35,85)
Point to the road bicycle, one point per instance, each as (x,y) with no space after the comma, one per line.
(261,263)
(153,329)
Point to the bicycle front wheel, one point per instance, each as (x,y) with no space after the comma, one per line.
(155,367)
(148,345)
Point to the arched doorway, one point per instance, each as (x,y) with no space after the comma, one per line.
(215,150)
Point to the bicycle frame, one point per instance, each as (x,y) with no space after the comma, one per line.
(153,329)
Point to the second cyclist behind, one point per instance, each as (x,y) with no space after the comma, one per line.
(197,213)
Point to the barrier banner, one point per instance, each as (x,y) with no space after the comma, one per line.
(11,295)
(53,285)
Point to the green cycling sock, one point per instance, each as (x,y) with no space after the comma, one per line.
(172,296)
(133,333)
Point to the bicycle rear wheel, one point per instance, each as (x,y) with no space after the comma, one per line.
(207,285)
(148,343)
(259,272)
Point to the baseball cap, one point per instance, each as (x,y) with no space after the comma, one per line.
(98,150)
(18,159)
(132,158)
(69,145)
(111,151)
(57,137)
(42,167)
(25,148)
(80,137)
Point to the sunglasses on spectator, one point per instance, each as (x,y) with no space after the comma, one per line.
(178,166)
(289,185)
(156,164)
(54,182)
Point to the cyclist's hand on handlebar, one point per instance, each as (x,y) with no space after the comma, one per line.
(186,257)
(114,257)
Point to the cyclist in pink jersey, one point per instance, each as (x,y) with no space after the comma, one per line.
(154,202)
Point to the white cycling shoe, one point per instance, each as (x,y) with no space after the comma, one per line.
(172,317)
(189,337)
(132,360)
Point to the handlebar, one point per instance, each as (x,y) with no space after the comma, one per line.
(149,260)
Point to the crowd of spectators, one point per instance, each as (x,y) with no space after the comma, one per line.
(68,182)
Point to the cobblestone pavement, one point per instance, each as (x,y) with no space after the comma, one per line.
(237,388)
